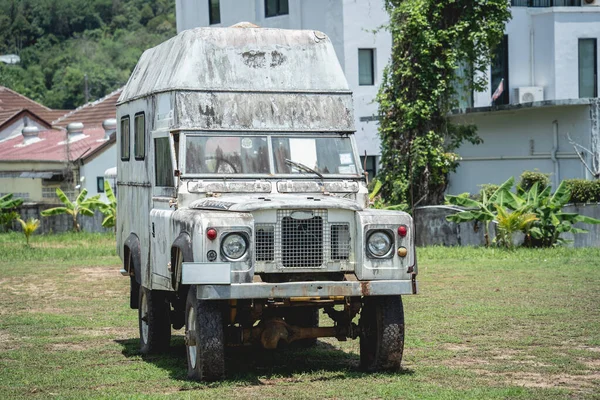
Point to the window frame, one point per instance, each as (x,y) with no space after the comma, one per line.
(186,175)
(595,79)
(135,136)
(170,157)
(278,12)
(212,21)
(372,52)
(123,137)
(100,187)
(503,46)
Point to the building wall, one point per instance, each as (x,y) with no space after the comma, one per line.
(515,141)
(28,189)
(362,17)
(553,64)
(95,168)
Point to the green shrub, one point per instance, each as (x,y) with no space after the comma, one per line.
(583,191)
(528,178)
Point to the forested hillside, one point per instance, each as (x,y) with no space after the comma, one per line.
(62,41)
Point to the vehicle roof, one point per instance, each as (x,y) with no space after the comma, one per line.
(238,59)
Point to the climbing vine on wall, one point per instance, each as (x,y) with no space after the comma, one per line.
(433,42)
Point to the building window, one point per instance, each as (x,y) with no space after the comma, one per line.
(366,67)
(214,12)
(370,165)
(545,3)
(500,72)
(163,166)
(588,68)
(125,138)
(100,184)
(274,8)
(139,136)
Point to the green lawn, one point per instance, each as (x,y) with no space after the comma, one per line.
(487,324)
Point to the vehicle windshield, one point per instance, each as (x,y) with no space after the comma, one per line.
(227,155)
(250,155)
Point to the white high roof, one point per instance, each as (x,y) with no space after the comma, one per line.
(239,59)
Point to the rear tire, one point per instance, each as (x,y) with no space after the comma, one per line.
(382,333)
(305,317)
(205,342)
(154,321)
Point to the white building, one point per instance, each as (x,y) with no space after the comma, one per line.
(349,24)
(549,63)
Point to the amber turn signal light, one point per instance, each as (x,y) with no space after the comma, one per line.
(211,233)
(402,252)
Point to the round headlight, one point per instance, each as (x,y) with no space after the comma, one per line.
(379,244)
(234,246)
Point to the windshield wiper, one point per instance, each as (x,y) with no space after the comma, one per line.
(303,167)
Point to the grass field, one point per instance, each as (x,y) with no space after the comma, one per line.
(487,324)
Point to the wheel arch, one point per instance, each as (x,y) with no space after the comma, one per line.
(182,244)
(133,255)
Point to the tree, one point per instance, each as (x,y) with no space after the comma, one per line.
(432,39)
(81,205)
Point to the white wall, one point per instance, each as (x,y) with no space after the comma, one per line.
(96,167)
(509,134)
(554,66)
(570,27)
(361,18)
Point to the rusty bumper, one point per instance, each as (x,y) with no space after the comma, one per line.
(305,289)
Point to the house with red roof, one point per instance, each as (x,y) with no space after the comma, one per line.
(70,150)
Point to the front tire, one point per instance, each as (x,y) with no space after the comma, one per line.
(382,333)
(154,321)
(205,343)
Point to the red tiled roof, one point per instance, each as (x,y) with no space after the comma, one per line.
(52,147)
(94,113)
(11,100)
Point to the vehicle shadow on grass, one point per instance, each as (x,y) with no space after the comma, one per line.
(256,366)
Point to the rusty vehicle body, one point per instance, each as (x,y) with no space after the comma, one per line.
(242,206)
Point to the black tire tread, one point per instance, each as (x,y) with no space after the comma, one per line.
(389,339)
(210,363)
(159,324)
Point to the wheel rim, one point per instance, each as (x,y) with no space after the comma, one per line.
(144,318)
(191,330)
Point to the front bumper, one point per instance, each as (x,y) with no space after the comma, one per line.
(305,289)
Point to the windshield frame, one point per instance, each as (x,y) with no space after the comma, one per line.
(270,135)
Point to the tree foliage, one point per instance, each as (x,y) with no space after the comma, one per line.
(62,41)
(433,41)
(82,205)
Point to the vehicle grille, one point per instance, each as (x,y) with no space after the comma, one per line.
(302,242)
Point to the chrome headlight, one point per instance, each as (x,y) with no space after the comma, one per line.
(379,244)
(234,246)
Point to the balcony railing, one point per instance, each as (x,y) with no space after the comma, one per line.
(546,3)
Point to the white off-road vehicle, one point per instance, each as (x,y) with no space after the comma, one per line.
(242,205)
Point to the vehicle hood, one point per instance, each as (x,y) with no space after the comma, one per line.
(274,201)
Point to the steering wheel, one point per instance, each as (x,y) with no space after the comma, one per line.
(224,161)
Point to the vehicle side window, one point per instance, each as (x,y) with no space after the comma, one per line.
(139,136)
(163,167)
(125,138)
